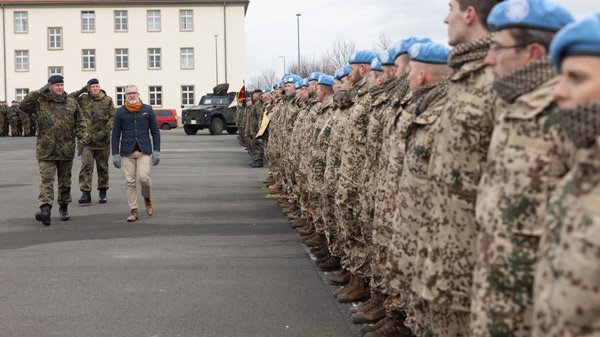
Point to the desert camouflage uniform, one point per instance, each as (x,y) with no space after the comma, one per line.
(456,165)
(529,154)
(295,153)
(254,125)
(294,109)
(99,113)
(280,115)
(331,177)
(272,151)
(60,121)
(567,277)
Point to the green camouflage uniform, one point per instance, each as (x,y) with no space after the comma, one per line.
(14,117)
(59,122)
(99,113)
(3,120)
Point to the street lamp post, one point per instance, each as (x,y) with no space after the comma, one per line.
(299,65)
(217,58)
(283,57)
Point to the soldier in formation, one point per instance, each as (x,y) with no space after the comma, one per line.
(436,186)
(3,119)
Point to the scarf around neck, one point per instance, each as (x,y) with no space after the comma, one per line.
(470,51)
(133,108)
(581,123)
(525,79)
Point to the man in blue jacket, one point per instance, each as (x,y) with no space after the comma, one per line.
(133,124)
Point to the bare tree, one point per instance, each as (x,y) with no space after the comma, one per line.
(266,79)
(338,55)
(382,43)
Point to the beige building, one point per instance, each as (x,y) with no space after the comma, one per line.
(172,50)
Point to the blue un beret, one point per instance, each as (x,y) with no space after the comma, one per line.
(534,14)
(267,90)
(291,78)
(429,53)
(314,76)
(363,56)
(305,82)
(577,38)
(387,57)
(325,80)
(56,79)
(342,72)
(277,85)
(402,46)
(376,64)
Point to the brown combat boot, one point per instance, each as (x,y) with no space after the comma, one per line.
(371,313)
(394,327)
(333,263)
(339,278)
(363,306)
(290,209)
(149,207)
(301,222)
(374,327)
(360,293)
(348,287)
(269,181)
(316,241)
(134,215)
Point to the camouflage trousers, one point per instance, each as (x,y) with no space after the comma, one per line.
(347,214)
(335,241)
(86,173)
(256,147)
(502,298)
(426,318)
(3,125)
(27,124)
(48,170)
(317,212)
(15,126)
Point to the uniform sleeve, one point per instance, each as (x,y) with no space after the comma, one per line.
(30,103)
(111,116)
(81,127)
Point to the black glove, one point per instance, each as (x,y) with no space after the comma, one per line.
(100,136)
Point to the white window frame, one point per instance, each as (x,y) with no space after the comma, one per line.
(186,20)
(51,72)
(20,93)
(121,20)
(153,20)
(21,60)
(21,19)
(187,57)
(120,95)
(91,59)
(155,95)
(55,40)
(90,21)
(154,59)
(122,56)
(187,94)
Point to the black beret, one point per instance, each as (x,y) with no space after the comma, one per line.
(93,81)
(257,91)
(56,79)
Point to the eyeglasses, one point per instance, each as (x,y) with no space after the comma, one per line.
(131,93)
(495,47)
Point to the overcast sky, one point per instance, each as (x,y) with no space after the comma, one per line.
(271,26)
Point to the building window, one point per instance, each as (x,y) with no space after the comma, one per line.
(154,58)
(187,94)
(122,59)
(54,38)
(186,20)
(155,96)
(153,21)
(120,96)
(21,22)
(55,71)
(120,21)
(88,21)
(20,94)
(22,60)
(89,59)
(187,58)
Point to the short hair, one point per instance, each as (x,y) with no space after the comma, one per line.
(527,36)
(328,88)
(482,7)
(130,85)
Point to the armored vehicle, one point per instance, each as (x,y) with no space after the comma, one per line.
(213,112)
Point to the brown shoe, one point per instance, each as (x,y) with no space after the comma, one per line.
(333,263)
(318,240)
(133,216)
(364,306)
(269,181)
(348,287)
(360,293)
(339,278)
(301,222)
(372,312)
(393,327)
(149,207)
(290,210)
(374,327)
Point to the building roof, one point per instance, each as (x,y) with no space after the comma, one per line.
(246,3)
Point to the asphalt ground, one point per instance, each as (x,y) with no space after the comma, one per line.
(218,258)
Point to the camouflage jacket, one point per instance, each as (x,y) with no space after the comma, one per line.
(457,160)
(59,122)
(353,148)
(14,113)
(4,110)
(410,222)
(567,277)
(295,152)
(99,113)
(318,154)
(307,139)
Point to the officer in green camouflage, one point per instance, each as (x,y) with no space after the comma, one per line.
(99,111)
(3,119)
(59,121)
(14,118)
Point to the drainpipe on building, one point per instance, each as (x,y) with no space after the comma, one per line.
(225,35)
(4,46)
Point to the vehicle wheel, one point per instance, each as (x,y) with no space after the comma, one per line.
(165,126)
(190,130)
(216,126)
(232,130)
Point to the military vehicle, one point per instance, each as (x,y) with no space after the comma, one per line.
(213,112)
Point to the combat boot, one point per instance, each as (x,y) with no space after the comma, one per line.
(339,278)
(102,195)
(86,198)
(374,327)
(360,293)
(258,163)
(393,327)
(372,311)
(270,180)
(318,240)
(63,210)
(333,263)
(297,223)
(43,215)
(134,215)
(322,251)
(348,287)
(149,207)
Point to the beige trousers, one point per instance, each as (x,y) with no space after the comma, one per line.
(137,166)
